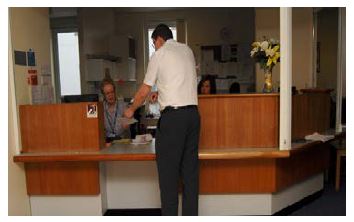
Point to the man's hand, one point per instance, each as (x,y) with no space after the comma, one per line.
(125,126)
(153,97)
(129,113)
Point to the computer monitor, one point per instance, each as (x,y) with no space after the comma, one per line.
(79,98)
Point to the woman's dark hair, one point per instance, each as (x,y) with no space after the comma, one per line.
(163,31)
(209,78)
(235,87)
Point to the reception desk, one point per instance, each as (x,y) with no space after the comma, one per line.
(240,162)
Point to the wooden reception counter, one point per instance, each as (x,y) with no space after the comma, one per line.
(238,148)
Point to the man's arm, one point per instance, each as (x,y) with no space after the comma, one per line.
(139,99)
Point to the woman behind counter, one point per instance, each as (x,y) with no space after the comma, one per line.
(207,85)
(113,109)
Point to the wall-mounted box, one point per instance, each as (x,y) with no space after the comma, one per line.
(124,47)
(96,69)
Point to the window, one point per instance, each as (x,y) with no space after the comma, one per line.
(69,63)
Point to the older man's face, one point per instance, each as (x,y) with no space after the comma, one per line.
(109,94)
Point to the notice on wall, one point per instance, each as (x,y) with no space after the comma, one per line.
(91,111)
(31,59)
(42,94)
(20,58)
(45,77)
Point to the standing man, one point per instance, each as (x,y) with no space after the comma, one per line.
(172,68)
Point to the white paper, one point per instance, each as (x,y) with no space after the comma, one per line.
(318,137)
(42,94)
(127,121)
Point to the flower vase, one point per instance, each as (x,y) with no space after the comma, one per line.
(268,85)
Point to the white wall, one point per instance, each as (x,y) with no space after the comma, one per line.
(29,28)
(95,26)
(268,24)
(203,28)
(18,201)
(327,36)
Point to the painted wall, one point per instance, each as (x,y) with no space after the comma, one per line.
(203,27)
(95,26)
(18,200)
(29,28)
(344,77)
(327,36)
(268,24)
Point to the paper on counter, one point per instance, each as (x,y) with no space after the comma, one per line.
(142,139)
(127,121)
(318,137)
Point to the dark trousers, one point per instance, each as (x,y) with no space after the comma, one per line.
(177,139)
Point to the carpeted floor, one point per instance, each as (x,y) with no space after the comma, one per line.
(330,203)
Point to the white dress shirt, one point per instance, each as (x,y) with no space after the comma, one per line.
(172,69)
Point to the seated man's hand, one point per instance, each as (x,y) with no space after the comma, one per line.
(125,126)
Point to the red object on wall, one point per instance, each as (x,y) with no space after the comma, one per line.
(32,78)
(32,71)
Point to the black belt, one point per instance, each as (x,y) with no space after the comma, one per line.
(171,108)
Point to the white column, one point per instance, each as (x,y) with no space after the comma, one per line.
(340,66)
(285,78)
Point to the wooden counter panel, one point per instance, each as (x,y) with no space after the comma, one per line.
(237,176)
(60,127)
(310,113)
(302,164)
(239,122)
(59,178)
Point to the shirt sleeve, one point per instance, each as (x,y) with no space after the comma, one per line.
(151,74)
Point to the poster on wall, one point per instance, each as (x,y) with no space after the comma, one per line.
(91,111)
(20,58)
(31,59)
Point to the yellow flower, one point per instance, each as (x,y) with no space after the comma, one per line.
(273,59)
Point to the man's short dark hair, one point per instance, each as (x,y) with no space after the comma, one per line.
(163,31)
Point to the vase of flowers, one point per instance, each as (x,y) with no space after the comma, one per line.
(267,54)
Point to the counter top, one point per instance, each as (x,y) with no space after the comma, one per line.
(146,152)
(131,152)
